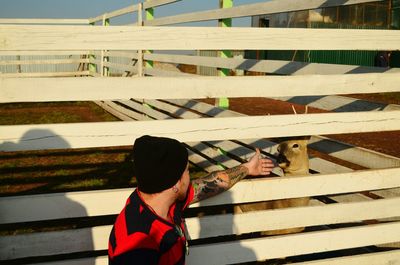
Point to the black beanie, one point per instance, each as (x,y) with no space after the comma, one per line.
(159,163)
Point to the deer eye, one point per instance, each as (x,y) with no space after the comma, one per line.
(295,146)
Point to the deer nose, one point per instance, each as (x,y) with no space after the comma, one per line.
(282,159)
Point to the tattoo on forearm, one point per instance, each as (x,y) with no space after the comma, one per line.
(218,182)
(236,174)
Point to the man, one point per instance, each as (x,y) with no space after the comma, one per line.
(150,229)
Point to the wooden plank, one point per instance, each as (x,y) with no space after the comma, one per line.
(129,9)
(164,73)
(266,191)
(50,61)
(155,3)
(271,7)
(89,239)
(70,89)
(80,204)
(55,136)
(96,134)
(293,245)
(268,66)
(221,225)
(203,38)
(115,13)
(55,21)
(43,74)
(130,55)
(102,260)
(114,109)
(380,258)
(40,53)
(357,155)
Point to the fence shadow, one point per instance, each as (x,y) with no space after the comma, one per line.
(206,230)
(44,212)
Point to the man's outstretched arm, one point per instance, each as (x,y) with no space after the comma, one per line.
(219,181)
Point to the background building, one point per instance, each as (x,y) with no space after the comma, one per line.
(373,15)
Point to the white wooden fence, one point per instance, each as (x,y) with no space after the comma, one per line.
(206,130)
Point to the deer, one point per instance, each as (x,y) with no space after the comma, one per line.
(292,158)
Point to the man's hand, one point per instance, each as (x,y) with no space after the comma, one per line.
(259,166)
(219,181)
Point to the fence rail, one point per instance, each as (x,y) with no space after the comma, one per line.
(159,106)
(203,38)
(271,7)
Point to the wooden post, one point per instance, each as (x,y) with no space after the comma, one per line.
(92,67)
(140,52)
(149,16)
(227,22)
(104,70)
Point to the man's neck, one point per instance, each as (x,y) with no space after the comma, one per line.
(160,203)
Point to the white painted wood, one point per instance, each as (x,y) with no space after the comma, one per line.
(113,109)
(160,72)
(55,21)
(299,187)
(291,245)
(270,7)
(130,55)
(43,74)
(38,53)
(357,155)
(96,134)
(102,260)
(69,89)
(268,66)
(51,61)
(155,3)
(146,112)
(115,13)
(79,204)
(16,37)
(129,9)
(381,258)
(88,239)
(220,225)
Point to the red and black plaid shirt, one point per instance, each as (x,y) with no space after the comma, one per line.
(140,236)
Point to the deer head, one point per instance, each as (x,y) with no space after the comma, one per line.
(292,154)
